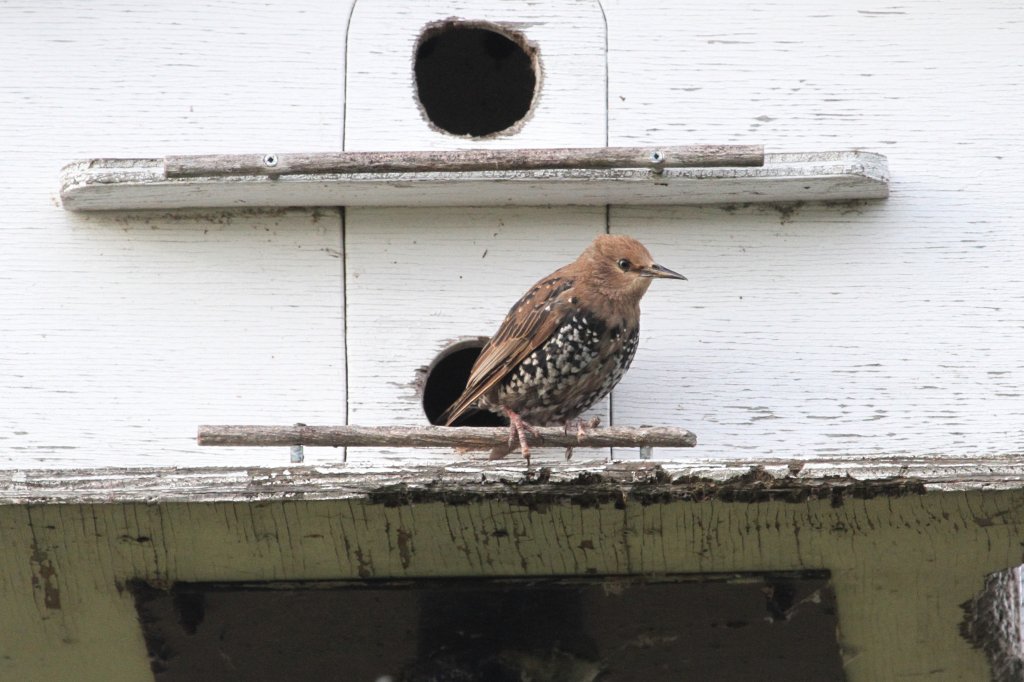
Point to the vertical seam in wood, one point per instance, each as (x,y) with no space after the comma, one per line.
(342,214)
(607,93)
(608,230)
(607,208)
(344,90)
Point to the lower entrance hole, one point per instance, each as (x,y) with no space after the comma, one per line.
(445,379)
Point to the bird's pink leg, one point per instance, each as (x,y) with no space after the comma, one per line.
(518,427)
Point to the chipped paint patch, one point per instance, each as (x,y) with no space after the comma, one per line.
(44,577)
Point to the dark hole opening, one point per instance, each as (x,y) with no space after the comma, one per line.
(473,81)
(445,380)
(615,629)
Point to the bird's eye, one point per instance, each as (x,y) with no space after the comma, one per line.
(624,264)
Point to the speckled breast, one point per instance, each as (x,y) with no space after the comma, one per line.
(581,362)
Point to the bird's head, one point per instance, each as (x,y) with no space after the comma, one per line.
(621,267)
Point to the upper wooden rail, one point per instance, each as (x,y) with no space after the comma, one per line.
(686,156)
(696,175)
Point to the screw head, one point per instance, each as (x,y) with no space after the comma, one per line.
(657,157)
(270,160)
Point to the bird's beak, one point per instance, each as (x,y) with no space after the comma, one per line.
(655,270)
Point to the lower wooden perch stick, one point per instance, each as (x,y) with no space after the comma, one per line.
(439,436)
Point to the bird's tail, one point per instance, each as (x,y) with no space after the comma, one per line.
(455,411)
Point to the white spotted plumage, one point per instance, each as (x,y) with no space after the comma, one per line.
(578,366)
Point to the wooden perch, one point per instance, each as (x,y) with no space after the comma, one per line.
(438,436)
(687,156)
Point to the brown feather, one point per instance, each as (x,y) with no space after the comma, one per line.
(528,325)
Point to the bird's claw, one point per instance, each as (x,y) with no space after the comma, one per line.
(581,433)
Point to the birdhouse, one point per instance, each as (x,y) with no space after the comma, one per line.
(294,231)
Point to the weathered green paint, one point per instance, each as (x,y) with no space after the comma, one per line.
(901,565)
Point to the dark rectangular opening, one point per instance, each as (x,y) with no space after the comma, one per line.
(614,628)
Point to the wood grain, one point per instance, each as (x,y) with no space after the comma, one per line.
(121,332)
(856,329)
(474,473)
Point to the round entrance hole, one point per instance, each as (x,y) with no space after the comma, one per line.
(473,79)
(445,380)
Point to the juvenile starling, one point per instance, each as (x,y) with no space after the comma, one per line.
(566,343)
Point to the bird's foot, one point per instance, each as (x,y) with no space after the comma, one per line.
(582,426)
(581,433)
(518,429)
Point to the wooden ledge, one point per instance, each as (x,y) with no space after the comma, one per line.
(173,183)
(476,478)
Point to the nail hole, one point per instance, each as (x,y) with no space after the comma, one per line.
(474,79)
(446,378)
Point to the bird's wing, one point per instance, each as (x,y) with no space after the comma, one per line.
(528,325)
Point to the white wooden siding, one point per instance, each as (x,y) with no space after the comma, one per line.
(119,332)
(888,327)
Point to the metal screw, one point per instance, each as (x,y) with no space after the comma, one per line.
(270,160)
(657,157)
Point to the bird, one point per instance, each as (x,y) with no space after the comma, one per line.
(565,343)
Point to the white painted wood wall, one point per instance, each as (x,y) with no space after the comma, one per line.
(887,327)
